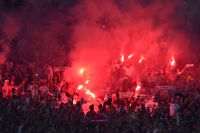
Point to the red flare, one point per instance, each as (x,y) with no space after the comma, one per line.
(74,101)
(138,87)
(80,87)
(82,70)
(141,59)
(88,92)
(122,58)
(130,56)
(87,82)
(173,62)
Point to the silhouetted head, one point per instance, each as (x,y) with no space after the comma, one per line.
(91,107)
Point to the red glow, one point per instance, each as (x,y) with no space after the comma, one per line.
(141,59)
(189,65)
(173,62)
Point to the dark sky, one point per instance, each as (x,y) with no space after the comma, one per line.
(38,29)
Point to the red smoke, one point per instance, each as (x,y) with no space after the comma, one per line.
(104,32)
(93,33)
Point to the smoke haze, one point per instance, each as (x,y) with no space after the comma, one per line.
(91,33)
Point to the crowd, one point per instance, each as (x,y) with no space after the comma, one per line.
(30,103)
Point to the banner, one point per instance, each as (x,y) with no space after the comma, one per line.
(165,87)
(126,94)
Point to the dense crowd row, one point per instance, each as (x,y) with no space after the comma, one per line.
(31,105)
(178,113)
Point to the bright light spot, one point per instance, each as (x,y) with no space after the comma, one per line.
(141,59)
(82,70)
(173,62)
(138,87)
(88,92)
(105,98)
(93,95)
(80,87)
(87,82)
(130,56)
(74,101)
(122,58)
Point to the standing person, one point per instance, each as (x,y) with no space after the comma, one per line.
(101,114)
(174,111)
(1,76)
(43,89)
(119,103)
(5,89)
(91,115)
(63,95)
(56,84)
(12,85)
(151,104)
(49,73)
(33,89)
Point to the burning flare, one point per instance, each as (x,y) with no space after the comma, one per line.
(122,58)
(173,62)
(138,87)
(130,56)
(87,82)
(141,59)
(82,70)
(88,92)
(80,87)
